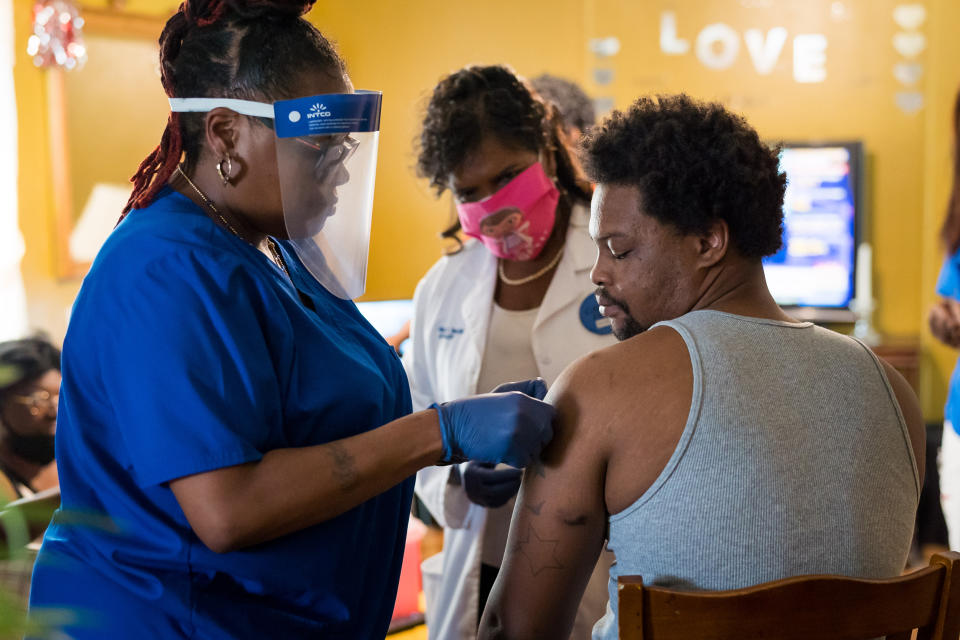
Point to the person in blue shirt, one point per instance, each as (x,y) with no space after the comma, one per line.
(235,441)
(944,322)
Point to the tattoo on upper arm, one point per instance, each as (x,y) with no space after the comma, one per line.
(535,509)
(537,469)
(540,554)
(344,466)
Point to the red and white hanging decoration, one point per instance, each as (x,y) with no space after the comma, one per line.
(57,39)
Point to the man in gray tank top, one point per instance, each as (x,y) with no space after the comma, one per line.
(721,443)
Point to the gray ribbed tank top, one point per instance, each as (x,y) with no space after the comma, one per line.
(795,459)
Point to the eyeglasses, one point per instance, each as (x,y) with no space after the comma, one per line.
(40,401)
(332,148)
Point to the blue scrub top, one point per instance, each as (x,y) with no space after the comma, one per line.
(187,351)
(948,286)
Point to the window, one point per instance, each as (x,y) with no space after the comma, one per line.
(13,316)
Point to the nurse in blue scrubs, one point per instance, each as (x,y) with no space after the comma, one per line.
(235,442)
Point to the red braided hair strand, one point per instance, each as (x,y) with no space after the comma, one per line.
(216,9)
(156,168)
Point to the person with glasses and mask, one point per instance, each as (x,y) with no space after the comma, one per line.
(29,390)
(236,443)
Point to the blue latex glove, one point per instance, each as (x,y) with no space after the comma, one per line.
(536,388)
(488,486)
(509,427)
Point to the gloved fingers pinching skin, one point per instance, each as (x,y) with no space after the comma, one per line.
(509,427)
(536,388)
(488,486)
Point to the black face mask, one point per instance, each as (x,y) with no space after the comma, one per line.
(37,449)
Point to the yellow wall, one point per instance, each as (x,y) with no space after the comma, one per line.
(403,48)
(124,128)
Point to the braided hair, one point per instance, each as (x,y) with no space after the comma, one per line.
(227,49)
(478,101)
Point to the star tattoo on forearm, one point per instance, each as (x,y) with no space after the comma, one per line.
(540,554)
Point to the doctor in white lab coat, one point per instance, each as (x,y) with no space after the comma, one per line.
(475,325)
(451,320)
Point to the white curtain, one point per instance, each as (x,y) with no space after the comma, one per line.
(13,301)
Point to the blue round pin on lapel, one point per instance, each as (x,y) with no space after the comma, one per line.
(591,318)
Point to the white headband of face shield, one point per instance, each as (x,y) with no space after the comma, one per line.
(202,105)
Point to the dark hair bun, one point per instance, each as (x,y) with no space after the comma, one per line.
(270,8)
(207,12)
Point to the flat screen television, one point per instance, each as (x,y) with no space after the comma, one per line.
(814,272)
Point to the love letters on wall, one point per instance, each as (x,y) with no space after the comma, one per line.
(719,38)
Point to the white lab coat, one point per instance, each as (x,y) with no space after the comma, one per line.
(452,308)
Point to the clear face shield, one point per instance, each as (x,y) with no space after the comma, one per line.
(326,165)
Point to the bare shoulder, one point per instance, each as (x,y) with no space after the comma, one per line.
(613,388)
(643,358)
(912,414)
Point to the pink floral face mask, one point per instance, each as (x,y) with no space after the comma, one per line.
(515,222)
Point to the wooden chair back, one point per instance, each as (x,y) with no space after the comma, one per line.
(804,607)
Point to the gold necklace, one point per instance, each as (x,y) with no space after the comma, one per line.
(533,276)
(277,258)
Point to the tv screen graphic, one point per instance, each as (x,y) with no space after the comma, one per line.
(815,266)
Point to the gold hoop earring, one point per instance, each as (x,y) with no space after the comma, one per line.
(225,175)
